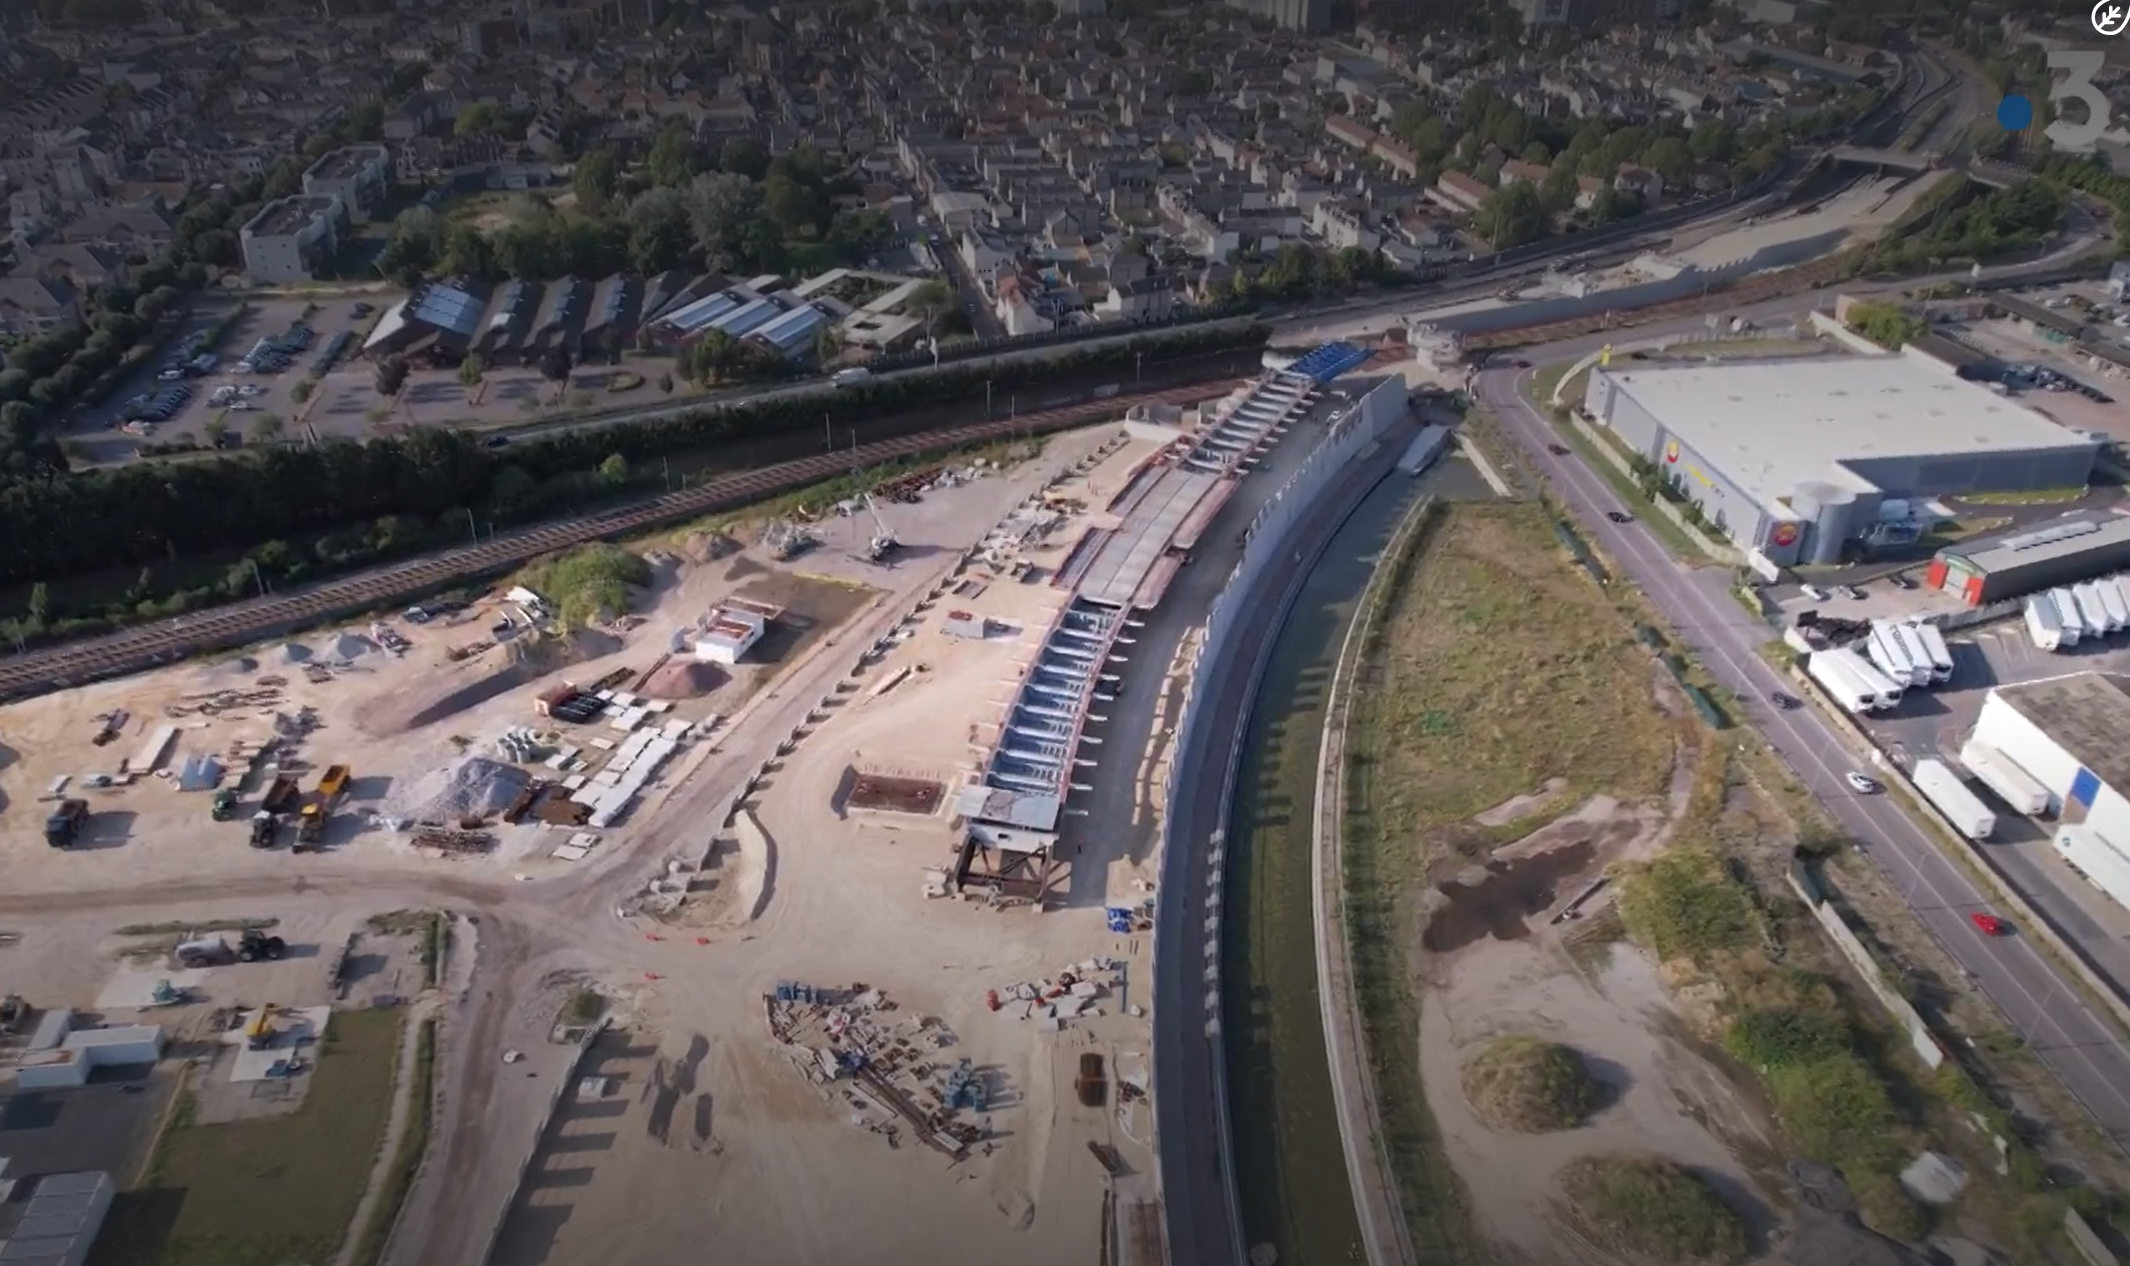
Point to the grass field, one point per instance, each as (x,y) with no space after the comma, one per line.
(274,1191)
(1653,1209)
(1493,665)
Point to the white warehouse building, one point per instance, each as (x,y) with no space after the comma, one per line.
(2072,735)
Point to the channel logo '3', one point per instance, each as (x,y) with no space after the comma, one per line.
(2071,136)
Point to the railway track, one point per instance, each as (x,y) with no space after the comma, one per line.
(134,649)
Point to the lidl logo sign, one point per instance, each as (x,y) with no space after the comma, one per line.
(1671,452)
(1785,534)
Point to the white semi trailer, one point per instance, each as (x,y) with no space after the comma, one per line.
(2074,623)
(1932,639)
(2003,775)
(1947,790)
(1839,684)
(2096,857)
(2091,611)
(1868,675)
(1886,649)
(2121,583)
(1926,672)
(2044,626)
(2111,597)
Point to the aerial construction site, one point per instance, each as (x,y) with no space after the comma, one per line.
(654,877)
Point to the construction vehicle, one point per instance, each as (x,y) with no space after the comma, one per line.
(333,785)
(224,806)
(883,544)
(282,796)
(310,826)
(265,827)
(63,827)
(259,1034)
(252,946)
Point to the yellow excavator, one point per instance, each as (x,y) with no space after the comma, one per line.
(259,1034)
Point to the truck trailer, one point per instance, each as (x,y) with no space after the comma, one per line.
(2043,626)
(2097,858)
(2091,611)
(1918,654)
(1947,790)
(2074,621)
(1868,675)
(1932,639)
(1844,689)
(2003,775)
(2111,597)
(1886,651)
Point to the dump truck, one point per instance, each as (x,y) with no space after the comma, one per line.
(252,946)
(282,796)
(224,805)
(310,825)
(64,825)
(265,827)
(333,785)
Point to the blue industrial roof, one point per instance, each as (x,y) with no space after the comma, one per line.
(702,312)
(795,330)
(750,318)
(1329,361)
(448,308)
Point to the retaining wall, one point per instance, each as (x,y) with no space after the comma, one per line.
(1264,547)
(563,1086)
(1827,327)
(1866,967)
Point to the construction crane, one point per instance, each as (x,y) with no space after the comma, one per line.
(883,543)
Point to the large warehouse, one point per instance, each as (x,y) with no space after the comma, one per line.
(2071,735)
(1798,458)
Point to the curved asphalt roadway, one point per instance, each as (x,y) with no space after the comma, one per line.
(1195,1186)
(2080,1046)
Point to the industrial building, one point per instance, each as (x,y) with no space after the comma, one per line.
(359,175)
(2059,554)
(1806,460)
(52,1219)
(2072,736)
(730,631)
(293,238)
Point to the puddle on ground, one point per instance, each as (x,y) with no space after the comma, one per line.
(1497,906)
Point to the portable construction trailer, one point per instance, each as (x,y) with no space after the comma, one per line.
(1931,639)
(2074,620)
(1947,790)
(2097,858)
(2003,775)
(2043,626)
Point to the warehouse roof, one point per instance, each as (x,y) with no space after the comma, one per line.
(2087,715)
(1771,426)
(2058,540)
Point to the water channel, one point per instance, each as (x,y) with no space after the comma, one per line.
(1290,1169)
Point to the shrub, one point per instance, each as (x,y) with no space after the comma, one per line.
(1528,1085)
(1649,1207)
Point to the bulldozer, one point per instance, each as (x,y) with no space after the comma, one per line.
(224,805)
(265,827)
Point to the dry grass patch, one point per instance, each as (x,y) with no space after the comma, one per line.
(1649,1207)
(1528,1085)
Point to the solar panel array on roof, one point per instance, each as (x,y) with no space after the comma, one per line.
(750,318)
(1328,362)
(703,312)
(793,331)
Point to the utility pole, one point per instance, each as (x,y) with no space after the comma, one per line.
(472,529)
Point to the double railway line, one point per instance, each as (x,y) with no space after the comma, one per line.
(132,650)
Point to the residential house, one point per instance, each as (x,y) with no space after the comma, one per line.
(34,305)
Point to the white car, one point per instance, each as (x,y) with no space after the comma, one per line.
(1861,784)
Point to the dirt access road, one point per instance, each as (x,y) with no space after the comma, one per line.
(523,943)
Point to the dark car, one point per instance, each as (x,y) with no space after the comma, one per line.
(1617,517)
(1558,450)
(495,441)
(1783,701)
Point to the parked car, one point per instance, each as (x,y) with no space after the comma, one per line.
(1861,784)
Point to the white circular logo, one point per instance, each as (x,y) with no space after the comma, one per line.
(2111,17)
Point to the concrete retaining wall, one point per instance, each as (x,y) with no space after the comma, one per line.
(1241,603)
(1702,541)
(1867,968)
(563,1086)
(1826,326)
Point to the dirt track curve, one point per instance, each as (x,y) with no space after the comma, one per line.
(131,650)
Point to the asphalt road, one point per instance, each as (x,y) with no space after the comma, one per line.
(2043,1008)
(1195,1185)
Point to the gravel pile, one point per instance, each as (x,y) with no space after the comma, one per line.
(295,653)
(477,788)
(352,645)
(683,679)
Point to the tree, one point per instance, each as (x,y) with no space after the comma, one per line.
(715,356)
(744,156)
(556,364)
(391,375)
(934,299)
(217,431)
(614,471)
(721,210)
(794,207)
(674,158)
(482,118)
(40,604)
(265,427)
(596,179)
(471,369)
(1511,217)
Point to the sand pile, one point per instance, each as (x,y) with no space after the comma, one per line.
(684,679)
(476,788)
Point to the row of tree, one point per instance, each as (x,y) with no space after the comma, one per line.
(747,215)
(1963,228)
(338,493)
